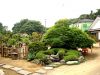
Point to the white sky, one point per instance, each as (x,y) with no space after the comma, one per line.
(12,11)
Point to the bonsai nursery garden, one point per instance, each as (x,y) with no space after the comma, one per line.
(53,47)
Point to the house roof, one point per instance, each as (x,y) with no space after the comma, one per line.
(85,20)
(95,25)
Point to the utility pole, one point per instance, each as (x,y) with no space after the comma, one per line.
(45,25)
(45,22)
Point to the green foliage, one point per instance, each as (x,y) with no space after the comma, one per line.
(43,58)
(49,52)
(62,22)
(28,26)
(40,55)
(1,28)
(92,15)
(70,58)
(72,55)
(11,41)
(37,46)
(25,40)
(31,56)
(73,52)
(61,53)
(36,36)
(64,37)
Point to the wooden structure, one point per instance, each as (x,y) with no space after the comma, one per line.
(15,53)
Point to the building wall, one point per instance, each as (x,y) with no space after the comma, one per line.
(83,26)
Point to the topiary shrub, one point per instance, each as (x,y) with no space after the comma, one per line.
(61,53)
(49,52)
(55,50)
(73,52)
(34,48)
(40,55)
(65,37)
(42,58)
(70,58)
(72,55)
(37,46)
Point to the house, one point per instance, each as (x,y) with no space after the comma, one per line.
(83,24)
(95,28)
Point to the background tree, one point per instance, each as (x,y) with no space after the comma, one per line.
(36,37)
(28,26)
(62,22)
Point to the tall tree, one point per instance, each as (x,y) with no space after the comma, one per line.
(1,28)
(28,26)
(62,22)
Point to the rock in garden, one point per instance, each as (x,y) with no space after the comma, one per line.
(62,61)
(16,69)
(41,71)
(48,68)
(72,62)
(24,72)
(36,74)
(81,59)
(36,61)
(7,66)
(2,72)
(2,64)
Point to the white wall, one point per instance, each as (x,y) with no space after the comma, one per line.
(99,35)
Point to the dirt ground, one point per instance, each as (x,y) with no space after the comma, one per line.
(90,67)
(21,63)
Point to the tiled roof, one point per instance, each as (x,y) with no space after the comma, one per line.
(85,20)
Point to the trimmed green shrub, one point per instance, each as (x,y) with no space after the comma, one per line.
(43,58)
(49,52)
(40,55)
(57,49)
(72,55)
(70,58)
(65,37)
(61,53)
(37,46)
(73,52)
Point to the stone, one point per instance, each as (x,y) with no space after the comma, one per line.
(36,61)
(2,72)
(52,65)
(41,71)
(2,64)
(72,62)
(81,59)
(16,69)
(24,72)
(48,68)
(62,61)
(37,74)
(7,66)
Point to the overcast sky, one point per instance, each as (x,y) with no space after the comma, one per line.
(12,11)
